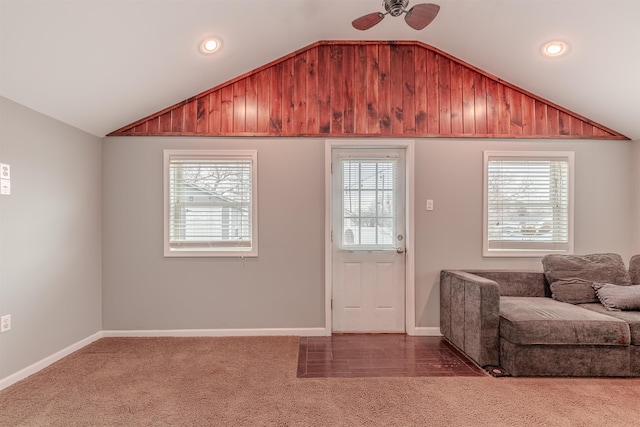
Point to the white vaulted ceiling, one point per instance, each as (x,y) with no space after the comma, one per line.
(101,64)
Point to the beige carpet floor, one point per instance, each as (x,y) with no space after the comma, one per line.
(251,381)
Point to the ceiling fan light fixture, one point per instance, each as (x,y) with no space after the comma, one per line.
(554,48)
(418,17)
(395,7)
(210,45)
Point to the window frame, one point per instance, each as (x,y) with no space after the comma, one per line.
(208,249)
(522,248)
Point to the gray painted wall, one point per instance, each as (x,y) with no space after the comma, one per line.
(450,172)
(635,197)
(284,287)
(50,236)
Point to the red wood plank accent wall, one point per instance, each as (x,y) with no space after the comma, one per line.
(357,89)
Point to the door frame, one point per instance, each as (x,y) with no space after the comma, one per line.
(408,145)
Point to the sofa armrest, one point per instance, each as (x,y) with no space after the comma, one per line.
(470,315)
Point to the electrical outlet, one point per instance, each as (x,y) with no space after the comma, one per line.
(5,323)
(5,171)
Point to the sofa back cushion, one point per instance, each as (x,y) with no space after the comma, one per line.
(517,283)
(573,290)
(570,276)
(634,269)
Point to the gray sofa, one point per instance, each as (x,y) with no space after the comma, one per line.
(547,323)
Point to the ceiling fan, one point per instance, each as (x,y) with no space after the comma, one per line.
(418,17)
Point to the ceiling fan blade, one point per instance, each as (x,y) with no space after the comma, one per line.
(367,21)
(421,15)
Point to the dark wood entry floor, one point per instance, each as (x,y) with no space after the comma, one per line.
(382,355)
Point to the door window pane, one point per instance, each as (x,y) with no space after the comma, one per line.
(369,197)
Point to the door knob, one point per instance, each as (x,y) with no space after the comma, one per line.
(400,250)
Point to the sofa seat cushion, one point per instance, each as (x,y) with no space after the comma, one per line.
(536,320)
(631,317)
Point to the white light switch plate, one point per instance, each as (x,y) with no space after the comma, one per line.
(5,186)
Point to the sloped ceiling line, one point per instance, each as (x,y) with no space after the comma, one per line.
(368,89)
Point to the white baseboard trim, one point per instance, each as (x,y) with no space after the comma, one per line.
(428,331)
(299,332)
(32,369)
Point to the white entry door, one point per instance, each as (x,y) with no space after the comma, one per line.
(368,239)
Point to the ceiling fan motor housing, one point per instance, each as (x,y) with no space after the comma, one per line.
(395,7)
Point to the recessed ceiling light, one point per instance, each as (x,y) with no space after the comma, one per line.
(210,45)
(554,48)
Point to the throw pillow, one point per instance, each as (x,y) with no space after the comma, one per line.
(601,268)
(573,290)
(617,298)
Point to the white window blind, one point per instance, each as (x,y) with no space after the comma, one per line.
(210,209)
(528,203)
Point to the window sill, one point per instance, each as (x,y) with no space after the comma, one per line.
(523,253)
(191,253)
